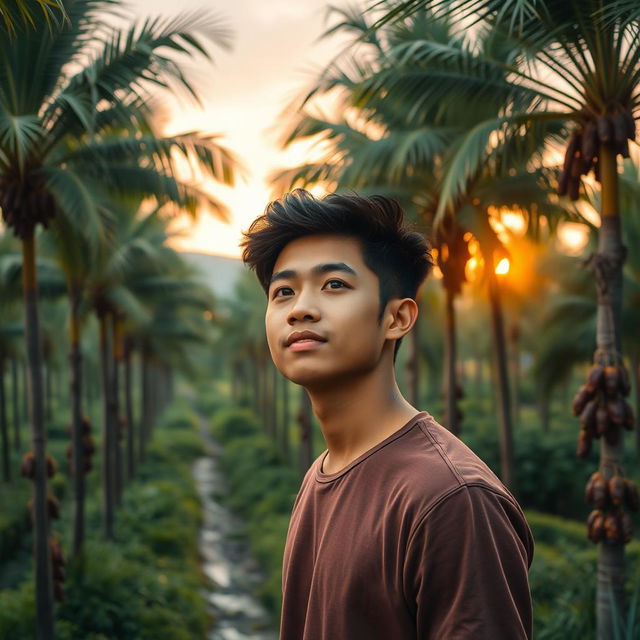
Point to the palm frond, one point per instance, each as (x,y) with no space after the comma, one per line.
(77,199)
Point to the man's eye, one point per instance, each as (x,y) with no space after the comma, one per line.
(278,291)
(342,284)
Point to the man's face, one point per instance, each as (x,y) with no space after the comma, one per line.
(321,284)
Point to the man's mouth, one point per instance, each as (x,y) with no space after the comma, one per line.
(303,336)
(305,345)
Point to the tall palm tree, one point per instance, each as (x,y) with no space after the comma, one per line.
(177,327)
(569,325)
(58,94)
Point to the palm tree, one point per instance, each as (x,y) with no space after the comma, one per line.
(174,332)
(576,63)
(57,159)
(569,325)
(10,329)
(16,14)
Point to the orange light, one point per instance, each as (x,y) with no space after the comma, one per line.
(572,237)
(502,267)
(472,268)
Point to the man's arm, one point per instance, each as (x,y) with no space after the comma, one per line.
(466,569)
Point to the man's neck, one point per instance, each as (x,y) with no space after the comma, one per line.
(355,417)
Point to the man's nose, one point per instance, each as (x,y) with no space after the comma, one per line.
(303,309)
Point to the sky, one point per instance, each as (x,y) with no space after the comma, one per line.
(276,52)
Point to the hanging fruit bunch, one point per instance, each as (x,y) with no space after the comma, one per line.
(28,466)
(88,448)
(57,569)
(615,128)
(28,470)
(603,411)
(601,406)
(609,522)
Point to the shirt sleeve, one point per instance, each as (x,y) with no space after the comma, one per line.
(466,568)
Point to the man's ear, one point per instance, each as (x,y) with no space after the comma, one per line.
(401,315)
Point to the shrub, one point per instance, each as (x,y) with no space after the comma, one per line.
(232,423)
(16,613)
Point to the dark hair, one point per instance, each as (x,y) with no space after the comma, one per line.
(398,255)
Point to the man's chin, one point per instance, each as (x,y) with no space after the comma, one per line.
(310,379)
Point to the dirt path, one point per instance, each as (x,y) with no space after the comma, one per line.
(227,560)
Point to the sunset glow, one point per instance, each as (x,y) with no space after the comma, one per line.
(502,268)
(572,238)
(276,52)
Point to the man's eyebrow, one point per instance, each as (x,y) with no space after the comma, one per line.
(318,269)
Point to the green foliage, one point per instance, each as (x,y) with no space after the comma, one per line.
(210,402)
(147,584)
(135,595)
(563,580)
(550,477)
(180,416)
(563,583)
(16,613)
(557,532)
(14,517)
(232,423)
(626,628)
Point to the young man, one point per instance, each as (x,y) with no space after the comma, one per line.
(399,531)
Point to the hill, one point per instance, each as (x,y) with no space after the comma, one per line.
(219,272)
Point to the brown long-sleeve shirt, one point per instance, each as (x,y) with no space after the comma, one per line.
(415,539)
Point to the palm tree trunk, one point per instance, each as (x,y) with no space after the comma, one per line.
(514,339)
(543,410)
(25,389)
(286,444)
(413,365)
(4,427)
(264,393)
(107,441)
(306,439)
(233,378)
(88,394)
(450,358)
(247,385)
(502,379)
(16,404)
(273,401)
(479,378)
(144,408)
(608,272)
(635,377)
(255,380)
(77,458)
(115,408)
(152,404)
(47,392)
(35,392)
(131,468)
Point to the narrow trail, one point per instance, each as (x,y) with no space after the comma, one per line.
(227,559)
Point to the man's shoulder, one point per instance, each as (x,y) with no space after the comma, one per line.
(432,463)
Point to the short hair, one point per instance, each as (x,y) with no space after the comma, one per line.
(397,254)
